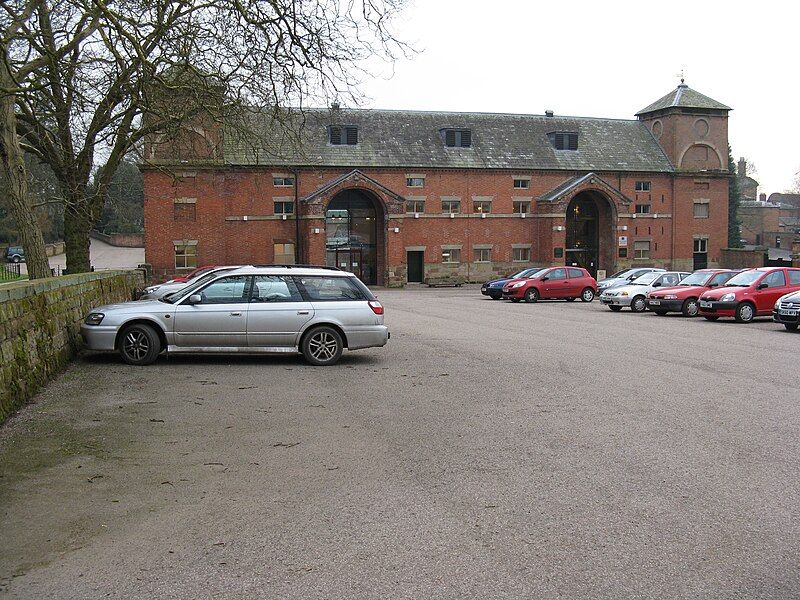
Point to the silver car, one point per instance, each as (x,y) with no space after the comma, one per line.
(624,278)
(316,311)
(154,292)
(634,295)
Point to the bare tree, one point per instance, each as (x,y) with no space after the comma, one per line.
(92,79)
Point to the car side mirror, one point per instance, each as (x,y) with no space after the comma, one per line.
(194,299)
(545,278)
(712,285)
(761,286)
(657,284)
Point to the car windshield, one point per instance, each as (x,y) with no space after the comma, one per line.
(183,292)
(619,274)
(744,279)
(698,278)
(532,272)
(645,279)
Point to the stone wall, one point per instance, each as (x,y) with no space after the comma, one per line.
(739,258)
(40,326)
(122,240)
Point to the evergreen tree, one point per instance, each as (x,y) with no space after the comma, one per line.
(734,198)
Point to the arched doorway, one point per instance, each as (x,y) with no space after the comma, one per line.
(590,236)
(354,241)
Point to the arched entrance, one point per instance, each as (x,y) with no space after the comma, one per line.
(590,236)
(354,240)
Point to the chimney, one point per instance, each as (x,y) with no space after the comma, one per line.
(762,196)
(334,105)
(742,170)
(548,113)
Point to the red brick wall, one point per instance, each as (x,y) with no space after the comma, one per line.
(225,196)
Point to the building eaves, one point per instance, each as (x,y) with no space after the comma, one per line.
(683,97)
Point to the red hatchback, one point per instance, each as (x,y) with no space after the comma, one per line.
(559,282)
(749,294)
(684,298)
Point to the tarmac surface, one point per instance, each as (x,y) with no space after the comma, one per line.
(490,450)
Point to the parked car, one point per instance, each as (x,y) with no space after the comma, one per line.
(554,282)
(634,295)
(685,297)
(750,294)
(14,254)
(198,272)
(624,277)
(315,311)
(154,292)
(787,311)
(494,288)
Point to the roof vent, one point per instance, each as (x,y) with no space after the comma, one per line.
(548,113)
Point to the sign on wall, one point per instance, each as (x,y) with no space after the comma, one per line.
(623,241)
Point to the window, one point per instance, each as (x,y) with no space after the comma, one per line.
(184,209)
(451,206)
(557,274)
(451,255)
(275,288)
(483,254)
(186,255)
(482,206)
(563,140)
(415,181)
(284,207)
(642,209)
(522,255)
(331,289)
(575,273)
(282,180)
(342,136)
(522,207)
(701,210)
(794,277)
(642,186)
(230,290)
(415,205)
(623,253)
(641,249)
(558,253)
(457,138)
(522,184)
(283,254)
(775,279)
(701,245)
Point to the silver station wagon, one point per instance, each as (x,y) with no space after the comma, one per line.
(316,311)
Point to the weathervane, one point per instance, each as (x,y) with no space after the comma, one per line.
(682,75)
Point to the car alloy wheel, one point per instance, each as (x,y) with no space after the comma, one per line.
(587,295)
(323,346)
(745,313)
(638,304)
(532,295)
(690,307)
(16,259)
(139,345)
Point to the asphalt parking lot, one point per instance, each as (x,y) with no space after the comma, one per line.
(490,450)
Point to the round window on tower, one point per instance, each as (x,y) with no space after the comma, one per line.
(657,128)
(701,128)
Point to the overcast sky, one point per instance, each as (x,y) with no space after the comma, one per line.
(608,59)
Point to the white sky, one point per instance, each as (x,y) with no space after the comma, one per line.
(608,59)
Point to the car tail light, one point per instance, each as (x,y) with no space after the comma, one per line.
(376,307)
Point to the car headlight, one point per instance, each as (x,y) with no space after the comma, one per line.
(94,318)
(777,304)
(151,289)
(670,297)
(518,284)
(728,298)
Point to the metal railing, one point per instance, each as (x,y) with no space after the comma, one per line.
(10,271)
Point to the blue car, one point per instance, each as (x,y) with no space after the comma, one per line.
(494,288)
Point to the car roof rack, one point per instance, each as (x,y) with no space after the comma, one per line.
(300,267)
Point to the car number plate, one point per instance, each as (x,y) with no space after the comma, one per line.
(705,304)
(788,312)
(654,302)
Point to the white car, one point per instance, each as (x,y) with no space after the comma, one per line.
(634,295)
(624,278)
(154,292)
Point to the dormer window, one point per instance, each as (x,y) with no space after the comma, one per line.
(457,138)
(342,135)
(563,140)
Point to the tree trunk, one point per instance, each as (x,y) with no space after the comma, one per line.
(13,165)
(78,223)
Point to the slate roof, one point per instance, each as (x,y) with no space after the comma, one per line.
(684,97)
(570,184)
(412,139)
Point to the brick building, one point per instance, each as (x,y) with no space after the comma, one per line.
(397,196)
